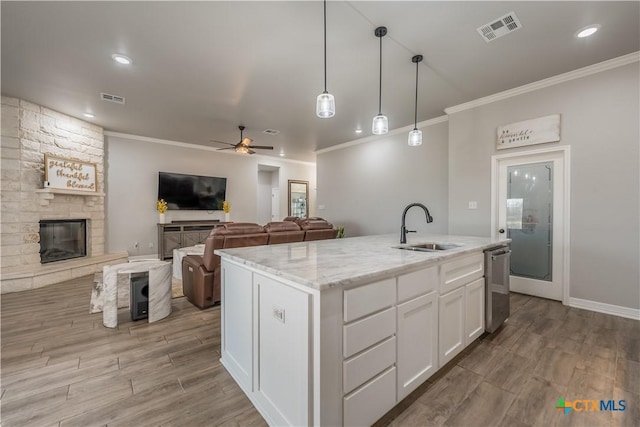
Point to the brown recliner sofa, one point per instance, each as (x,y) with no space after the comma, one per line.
(284,232)
(201,274)
(315,228)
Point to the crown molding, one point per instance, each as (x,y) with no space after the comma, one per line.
(396,131)
(551,81)
(200,147)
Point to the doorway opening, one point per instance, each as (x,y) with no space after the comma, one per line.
(268,203)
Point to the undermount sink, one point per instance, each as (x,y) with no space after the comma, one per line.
(428,247)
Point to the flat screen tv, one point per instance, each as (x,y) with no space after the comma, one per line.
(191,192)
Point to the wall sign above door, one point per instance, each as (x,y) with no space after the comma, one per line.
(69,174)
(529,132)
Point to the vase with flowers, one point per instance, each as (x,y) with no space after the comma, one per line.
(226,207)
(162,207)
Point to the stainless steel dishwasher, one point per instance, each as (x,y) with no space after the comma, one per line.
(496,280)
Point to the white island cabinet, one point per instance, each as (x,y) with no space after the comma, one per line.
(338,332)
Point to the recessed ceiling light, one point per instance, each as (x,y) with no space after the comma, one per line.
(587,31)
(358,130)
(121,59)
(89,115)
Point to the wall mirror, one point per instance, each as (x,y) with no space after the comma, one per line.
(299,198)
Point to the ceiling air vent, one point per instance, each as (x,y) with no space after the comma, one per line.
(271,131)
(112,98)
(502,26)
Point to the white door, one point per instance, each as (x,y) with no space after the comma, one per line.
(451,327)
(531,209)
(417,342)
(474,313)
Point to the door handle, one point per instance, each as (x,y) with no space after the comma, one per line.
(501,231)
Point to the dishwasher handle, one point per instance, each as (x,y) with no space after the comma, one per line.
(495,255)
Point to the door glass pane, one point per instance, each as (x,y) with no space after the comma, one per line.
(530,219)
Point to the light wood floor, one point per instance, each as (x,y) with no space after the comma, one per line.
(60,366)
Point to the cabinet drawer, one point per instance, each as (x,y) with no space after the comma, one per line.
(368,331)
(367,404)
(367,299)
(365,366)
(417,283)
(460,272)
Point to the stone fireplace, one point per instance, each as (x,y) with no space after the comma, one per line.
(30,131)
(62,239)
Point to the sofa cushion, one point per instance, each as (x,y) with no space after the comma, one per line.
(238,228)
(284,232)
(315,224)
(279,226)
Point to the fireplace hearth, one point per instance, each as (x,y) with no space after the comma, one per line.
(62,239)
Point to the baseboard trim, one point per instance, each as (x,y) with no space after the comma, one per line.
(600,307)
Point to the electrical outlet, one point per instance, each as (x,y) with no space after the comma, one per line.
(320,207)
(150,245)
(473,204)
(136,245)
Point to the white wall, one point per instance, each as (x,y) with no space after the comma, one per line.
(600,121)
(132,187)
(366,187)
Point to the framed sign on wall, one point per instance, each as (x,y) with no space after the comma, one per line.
(529,132)
(69,174)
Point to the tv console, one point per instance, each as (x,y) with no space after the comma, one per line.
(179,234)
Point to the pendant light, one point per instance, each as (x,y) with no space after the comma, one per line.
(325,103)
(380,122)
(415,136)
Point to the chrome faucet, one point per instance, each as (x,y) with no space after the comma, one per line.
(403,229)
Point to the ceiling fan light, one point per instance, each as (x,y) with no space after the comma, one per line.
(325,106)
(380,125)
(415,138)
(242,149)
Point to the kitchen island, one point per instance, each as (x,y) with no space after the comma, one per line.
(337,332)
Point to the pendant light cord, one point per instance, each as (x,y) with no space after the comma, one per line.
(415,126)
(325,46)
(380,92)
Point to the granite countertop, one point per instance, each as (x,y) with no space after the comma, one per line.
(352,261)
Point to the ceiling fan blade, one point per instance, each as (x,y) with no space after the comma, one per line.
(222,142)
(262,147)
(251,151)
(227,148)
(246,141)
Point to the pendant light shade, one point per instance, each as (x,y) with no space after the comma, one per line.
(325,106)
(380,124)
(325,103)
(415,136)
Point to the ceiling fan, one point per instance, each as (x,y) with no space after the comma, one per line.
(243,145)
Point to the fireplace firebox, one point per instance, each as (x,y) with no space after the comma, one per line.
(62,239)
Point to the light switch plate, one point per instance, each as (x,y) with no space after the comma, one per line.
(473,204)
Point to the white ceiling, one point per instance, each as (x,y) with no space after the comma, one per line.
(202,68)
